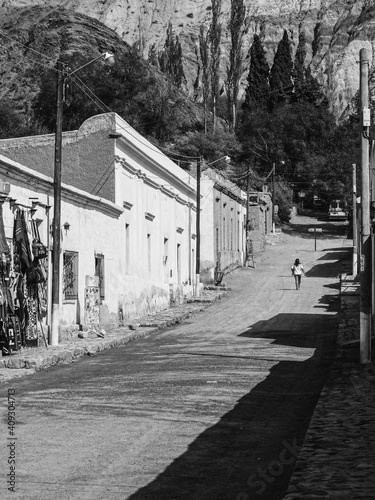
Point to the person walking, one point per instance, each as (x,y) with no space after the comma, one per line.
(297,271)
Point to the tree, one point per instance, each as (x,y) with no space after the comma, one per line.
(170,59)
(237,29)
(210,146)
(299,67)
(215,42)
(283,199)
(306,87)
(12,123)
(153,56)
(112,87)
(204,52)
(281,83)
(257,90)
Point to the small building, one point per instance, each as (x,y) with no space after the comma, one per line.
(260,219)
(223,225)
(130,217)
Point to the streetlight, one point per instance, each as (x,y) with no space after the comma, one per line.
(62,76)
(273,194)
(198,219)
(226,158)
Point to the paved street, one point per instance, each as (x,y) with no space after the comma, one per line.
(213,409)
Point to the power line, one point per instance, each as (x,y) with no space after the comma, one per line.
(29,48)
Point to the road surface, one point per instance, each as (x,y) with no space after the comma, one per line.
(213,409)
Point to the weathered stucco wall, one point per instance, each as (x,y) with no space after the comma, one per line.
(147,239)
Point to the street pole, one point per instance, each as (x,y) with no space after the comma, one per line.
(365,260)
(62,75)
(273,197)
(355,235)
(56,246)
(198,229)
(247,216)
(315,238)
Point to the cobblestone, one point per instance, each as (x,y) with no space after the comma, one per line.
(337,459)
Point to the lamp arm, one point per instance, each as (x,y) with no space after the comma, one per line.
(105,55)
(226,158)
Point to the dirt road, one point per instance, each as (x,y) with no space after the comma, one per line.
(214,409)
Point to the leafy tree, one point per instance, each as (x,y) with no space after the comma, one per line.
(281,84)
(127,89)
(215,44)
(257,91)
(13,124)
(150,103)
(283,199)
(210,147)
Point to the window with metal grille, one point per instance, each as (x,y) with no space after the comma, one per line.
(70,275)
(99,271)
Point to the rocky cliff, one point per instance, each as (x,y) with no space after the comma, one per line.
(335,30)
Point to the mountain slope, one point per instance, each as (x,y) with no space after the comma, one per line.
(33,38)
(335,31)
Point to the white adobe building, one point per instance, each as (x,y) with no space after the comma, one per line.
(131,213)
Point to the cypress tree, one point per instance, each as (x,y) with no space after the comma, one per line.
(237,28)
(299,68)
(281,84)
(204,52)
(258,88)
(306,87)
(215,41)
(170,59)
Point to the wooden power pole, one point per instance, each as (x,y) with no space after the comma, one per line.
(365,257)
(355,226)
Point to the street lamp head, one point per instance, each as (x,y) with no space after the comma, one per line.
(227,159)
(109,58)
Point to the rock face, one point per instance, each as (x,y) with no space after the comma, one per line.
(335,30)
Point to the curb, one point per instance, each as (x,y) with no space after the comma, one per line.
(41,357)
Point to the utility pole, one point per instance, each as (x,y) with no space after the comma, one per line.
(56,246)
(247,216)
(365,260)
(62,76)
(273,197)
(198,229)
(355,234)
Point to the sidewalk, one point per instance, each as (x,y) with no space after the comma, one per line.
(33,359)
(337,459)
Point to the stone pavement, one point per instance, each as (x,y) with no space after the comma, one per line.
(38,358)
(337,459)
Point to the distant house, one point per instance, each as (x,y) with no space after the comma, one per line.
(131,214)
(223,225)
(260,219)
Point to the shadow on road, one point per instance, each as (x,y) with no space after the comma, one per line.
(251,451)
(306,229)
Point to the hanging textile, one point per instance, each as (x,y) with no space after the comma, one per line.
(22,241)
(4,248)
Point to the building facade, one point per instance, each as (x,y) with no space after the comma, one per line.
(128,215)
(260,219)
(223,225)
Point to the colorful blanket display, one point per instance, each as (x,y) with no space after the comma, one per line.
(23,284)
